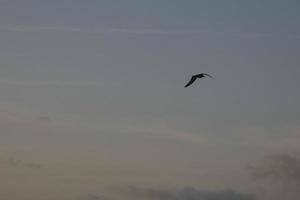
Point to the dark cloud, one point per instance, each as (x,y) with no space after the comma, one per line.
(34,165)
(280,167)
(45,118)
(15,163)
(281,176)
(183,194)
(92,197)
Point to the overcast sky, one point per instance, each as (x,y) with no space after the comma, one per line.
(93,104)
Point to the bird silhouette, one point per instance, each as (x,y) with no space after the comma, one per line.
(195,77)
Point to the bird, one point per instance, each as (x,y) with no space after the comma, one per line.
(194,77)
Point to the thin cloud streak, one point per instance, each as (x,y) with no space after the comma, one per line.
(93,197)
(14,163)
(142,31)
(19,114)
(172,134)
(188,193)
(47,82)
(101,30)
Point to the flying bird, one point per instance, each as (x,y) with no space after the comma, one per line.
(194,78)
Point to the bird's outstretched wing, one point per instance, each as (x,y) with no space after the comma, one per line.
(191,81)
(207,75)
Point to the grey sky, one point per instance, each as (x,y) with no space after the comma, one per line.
(94,91)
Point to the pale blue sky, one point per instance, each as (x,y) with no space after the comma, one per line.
(93,90)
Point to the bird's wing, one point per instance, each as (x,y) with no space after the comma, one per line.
(191,81)
(207,75)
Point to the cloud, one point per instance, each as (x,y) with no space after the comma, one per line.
(183,194)
(58,83)
(92,197)
(97,31)
(171,134)
(46,118)
(14,163)
(10,112)
(34,165)
(281,173)
(143,31)
(281,167)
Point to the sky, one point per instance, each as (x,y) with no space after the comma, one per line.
(93,104)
